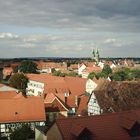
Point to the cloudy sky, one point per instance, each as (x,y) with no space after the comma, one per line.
(69,28)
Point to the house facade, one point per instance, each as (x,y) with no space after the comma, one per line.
(93,106)
(81,67)
(17,110)
(35,88)
(111,126)
(90,86)
(62,95)
(111,96)
(7,71)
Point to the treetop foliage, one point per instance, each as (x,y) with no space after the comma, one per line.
(28,67)
(22,133)
(120,75)
(19,81)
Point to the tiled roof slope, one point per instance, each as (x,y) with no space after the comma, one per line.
(7,94)
(22,109)
(74,86)
(118,96)
(102,127)
(44,78)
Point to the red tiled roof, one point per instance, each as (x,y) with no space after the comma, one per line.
(92,69)
(7,94)
(44,65)
(44,78)
(56,87)
(76,129)
(102,127)
(14,65)
(74,66)
(53,103)
(118,96)
(83,104)
(22,110)
(61,96)
(49,98)
(128,119)
(75,86)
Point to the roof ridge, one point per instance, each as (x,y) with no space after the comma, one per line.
(104,114)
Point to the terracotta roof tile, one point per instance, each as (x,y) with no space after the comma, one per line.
(22,110)
(44,78)
(7,94)
(103,127)
(75,86)
(118,96)
(83,104)
(49,98)
(92,69)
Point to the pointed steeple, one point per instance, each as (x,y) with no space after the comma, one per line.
(97,55)
(97,52)
(93,53)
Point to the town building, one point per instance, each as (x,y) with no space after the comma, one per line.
(62,95)
(17,110)
(48,66)
(7,72)
(114,97)
(85,69)
(110,126)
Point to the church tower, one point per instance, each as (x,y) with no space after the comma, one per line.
(95,55)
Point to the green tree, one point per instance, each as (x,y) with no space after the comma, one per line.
(120,75)
(100,75)
(22,133)
(107,70)
(53,70)
(74,74)
(19,81)
(136,73)
(28,67)
(58,73)
(91,75)
(116,77)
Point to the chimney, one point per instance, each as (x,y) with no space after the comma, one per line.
(76,101)
(66,94)
(65,100)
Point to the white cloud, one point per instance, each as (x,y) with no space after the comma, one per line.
(8,36)
(110,40)
(26,45)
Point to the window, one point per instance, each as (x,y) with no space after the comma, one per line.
(134,132)
(85,135)
(94,100)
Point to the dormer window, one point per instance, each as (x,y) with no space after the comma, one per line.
(66,94)
(81,133)
(85,135)
(134,132)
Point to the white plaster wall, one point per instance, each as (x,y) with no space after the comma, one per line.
(36,87)
(80,69)
(90,86)
(93,106)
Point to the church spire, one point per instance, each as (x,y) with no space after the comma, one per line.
(95,55)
